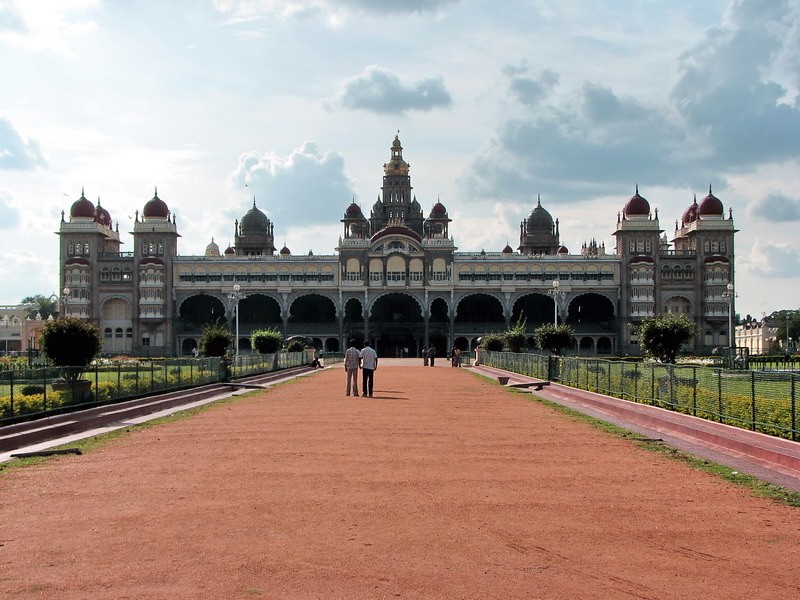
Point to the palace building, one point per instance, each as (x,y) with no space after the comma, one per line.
(396,278)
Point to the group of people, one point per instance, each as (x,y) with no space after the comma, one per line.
(429,356)
(367,360)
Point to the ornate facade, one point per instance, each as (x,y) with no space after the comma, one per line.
(396,277)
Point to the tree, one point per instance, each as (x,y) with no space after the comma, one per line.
(784,319)
(515,336)
(44,305)
(215,340)
(662,336)
(494,342)
(554,338)
(267,341)
(71,344)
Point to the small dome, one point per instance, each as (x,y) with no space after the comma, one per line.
(637,206)
(563,250)
(285,251)
(711,206)
(229,251)
(255,220)
(539,218)
(353,211)
(508,250)
(212,249)
(438,211)
(101,215)
(156,208)
(415,205)
(82,208)
(691,213)
(377,208)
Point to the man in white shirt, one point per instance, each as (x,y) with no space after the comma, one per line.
(369,363)
(352,359)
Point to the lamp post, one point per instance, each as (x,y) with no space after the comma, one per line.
(66,291)
(5,324)
(235,296)
(729,296)
(557,294)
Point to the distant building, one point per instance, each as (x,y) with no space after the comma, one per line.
(18,331)
(396,277)
(759,337)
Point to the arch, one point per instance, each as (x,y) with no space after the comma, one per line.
(590,309)
(439,311)
(479,308)
(188,345)
(678,304)
(604,345)
(312,308)
(116,314)
(586,343)
(535,308)
(461,343)
(395,307)
(331,345)
(353,311)
(259,309)
(198,310)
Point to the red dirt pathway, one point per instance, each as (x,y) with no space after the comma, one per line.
(443,485)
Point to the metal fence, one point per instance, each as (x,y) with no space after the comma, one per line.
(764,401)
(34,393)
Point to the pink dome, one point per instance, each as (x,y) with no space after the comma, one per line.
(353,211)
(508,250)
(711,206)
(563,250)
(82,208)
(438,210)
(636,206)
(285,251)
(102,216)
(156,208)
(690,214)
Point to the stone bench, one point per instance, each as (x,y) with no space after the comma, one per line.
(536,385)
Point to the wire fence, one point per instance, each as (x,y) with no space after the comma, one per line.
(39,392)
(763,401)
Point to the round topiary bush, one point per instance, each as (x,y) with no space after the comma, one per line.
(267,341)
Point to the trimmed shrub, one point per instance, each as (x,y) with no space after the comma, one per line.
(267,341)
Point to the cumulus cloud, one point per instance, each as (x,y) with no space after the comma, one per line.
(776,260)
(724,87)
(381,91)
(733,107)
(527,87)
(592,142)
(17,153)
(305,188)
(776,208)
(9,215)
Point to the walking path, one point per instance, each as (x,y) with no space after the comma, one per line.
(443,485)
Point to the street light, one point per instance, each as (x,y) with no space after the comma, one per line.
(235,296)
(729,296)
(5,324)
(557,295)
(66,291)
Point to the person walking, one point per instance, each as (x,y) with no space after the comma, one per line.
(425,356)
(432,354)
(369,364)
(352,360)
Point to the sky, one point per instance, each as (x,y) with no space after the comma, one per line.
(295,103)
